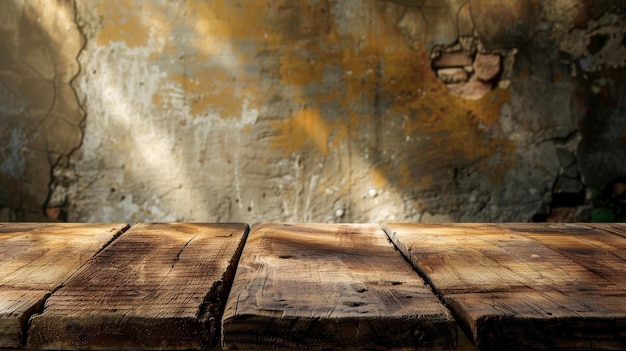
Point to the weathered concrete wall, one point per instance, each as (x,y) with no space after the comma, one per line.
(322,110)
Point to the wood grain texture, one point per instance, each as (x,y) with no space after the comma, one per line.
(525,286)
(35,259)
(615,228)
(330,286)
(157,287)
(16,306)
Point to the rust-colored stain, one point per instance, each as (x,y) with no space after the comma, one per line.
(300,70)
(379,176)
(210,91)
(122,24)
(214,79)
(459,130)
(226,20)
(304,128)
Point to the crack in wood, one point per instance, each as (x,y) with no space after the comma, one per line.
(177,258)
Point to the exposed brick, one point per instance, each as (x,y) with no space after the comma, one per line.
(487,66)
(53,212)
(453,59)
(452,75)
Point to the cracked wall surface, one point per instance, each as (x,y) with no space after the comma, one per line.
(312,110)
(40,119)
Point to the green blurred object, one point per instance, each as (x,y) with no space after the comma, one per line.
(603,214)
(607,205)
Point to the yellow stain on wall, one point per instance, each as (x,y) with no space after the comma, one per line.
(379,176)
(122,22)
(303,67)
(300,71)
(305,128)
(458,129)
(212,91)
(217,27)
(219,22)
(215,79)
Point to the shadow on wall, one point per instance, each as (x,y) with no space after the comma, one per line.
(311,111)
(40,119)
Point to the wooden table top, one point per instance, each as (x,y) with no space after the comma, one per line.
(184,286)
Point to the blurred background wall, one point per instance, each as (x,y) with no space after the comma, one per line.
(309,110)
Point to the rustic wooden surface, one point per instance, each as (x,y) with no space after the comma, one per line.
(333,286)
(35,259)
(158,286)
(526,286)
(330,286)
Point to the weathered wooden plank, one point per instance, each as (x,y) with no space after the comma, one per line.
(615,228)
(524,286)
(12,227)
(596,248)
(330,286)
(157,287)
(35,259)
(16,306)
